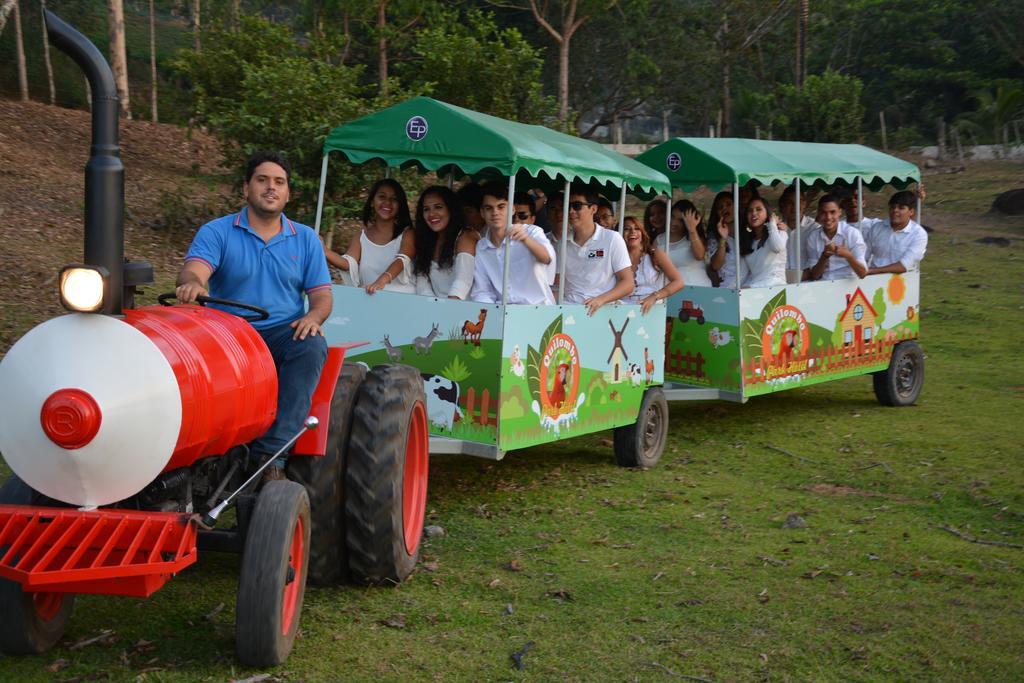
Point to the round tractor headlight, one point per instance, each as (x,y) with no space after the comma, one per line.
(83,288)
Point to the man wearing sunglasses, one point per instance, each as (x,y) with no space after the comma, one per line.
(598,269)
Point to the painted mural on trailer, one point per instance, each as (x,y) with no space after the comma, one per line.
(456,346)
(702,333)
(814,332)
(565,373)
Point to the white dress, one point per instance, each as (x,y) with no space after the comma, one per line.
(445,282)
(648,280)
(767,263)
(693,270)
(374,259)
(728,270)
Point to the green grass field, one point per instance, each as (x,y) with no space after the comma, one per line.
(685,572)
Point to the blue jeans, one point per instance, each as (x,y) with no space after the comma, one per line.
(298,362)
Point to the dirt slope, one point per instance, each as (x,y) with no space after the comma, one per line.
(43,151)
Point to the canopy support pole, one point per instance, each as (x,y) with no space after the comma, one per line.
(860,201)
(919,216)
(736,228)
(320,194)
(621,208)
(561,243)
(507,240)
(799,236)
(668,217)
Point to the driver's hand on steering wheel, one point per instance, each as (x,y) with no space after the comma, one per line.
(187,293)
(306,326)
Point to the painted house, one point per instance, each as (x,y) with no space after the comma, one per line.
(857,321)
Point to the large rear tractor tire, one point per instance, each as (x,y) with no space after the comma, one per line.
(30,623)
(272,580)
(324,480)
(641,443)
(386,481)
(901,383)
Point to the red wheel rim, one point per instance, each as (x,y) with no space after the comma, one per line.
(414,485)
(47,604)
(296,562)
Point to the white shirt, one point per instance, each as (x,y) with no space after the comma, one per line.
(728,270)
(529,280)
(767,263)
(648,280)
(838,268)
(445,282)
(885,245)
(590,269)
(806,225)
(693,270)
(374,259)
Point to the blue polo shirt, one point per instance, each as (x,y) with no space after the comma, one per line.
(273,275)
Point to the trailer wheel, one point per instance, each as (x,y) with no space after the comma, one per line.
(640,444)
(386,481)
(324,480)
(31,623)
(901,383)
(272,579)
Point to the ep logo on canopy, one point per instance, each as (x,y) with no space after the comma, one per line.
(673,161)
(416,128)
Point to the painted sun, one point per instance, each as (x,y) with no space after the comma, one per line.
(896,289)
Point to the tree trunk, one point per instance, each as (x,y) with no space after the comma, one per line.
(382,46)
(152,63)
(19,46)
(235,15)
(196,25)
(118,54)
(725,115)
(46,53)
(563,80)
(801,43)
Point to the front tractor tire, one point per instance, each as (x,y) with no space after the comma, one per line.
(324,480)
(30,623)
(900,384)
(640,444)
(272,579)
(386,480)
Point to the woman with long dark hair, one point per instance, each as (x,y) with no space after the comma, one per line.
(763,245)
(688,243)
(655,275)
(380,257)
(721,242)
(445,248)
(654,218)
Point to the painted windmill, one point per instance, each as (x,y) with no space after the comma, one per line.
(618,357)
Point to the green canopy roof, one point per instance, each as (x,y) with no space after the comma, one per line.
(719,162)
(435,136)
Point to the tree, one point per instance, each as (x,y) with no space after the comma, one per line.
(19,45)
(459,57)
(197,25)
(6,7)
(152,63)
(46,53)
(118,54)
(826,109)
(801,42)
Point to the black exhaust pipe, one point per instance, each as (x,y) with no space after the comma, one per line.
(104,173)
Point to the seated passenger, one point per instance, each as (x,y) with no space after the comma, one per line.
(898,244)
(656,276)
(445,249)
(654,218)
(605,216)
(380,257)
(787,207)
(530,255)
(688,244)
(833,250)
(847,196)
(722,243)
(553,207)
(597,269)
(469,198)
(763,243)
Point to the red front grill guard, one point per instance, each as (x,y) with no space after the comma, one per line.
(114,552)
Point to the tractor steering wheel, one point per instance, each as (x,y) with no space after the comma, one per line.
(170,298)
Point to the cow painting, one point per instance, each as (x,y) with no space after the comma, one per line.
(442,400)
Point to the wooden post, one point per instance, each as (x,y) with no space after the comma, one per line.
(664,125)
(881,120)
(942,139)
(485,405)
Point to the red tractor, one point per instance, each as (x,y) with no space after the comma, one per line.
(126,429)
(688,310)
